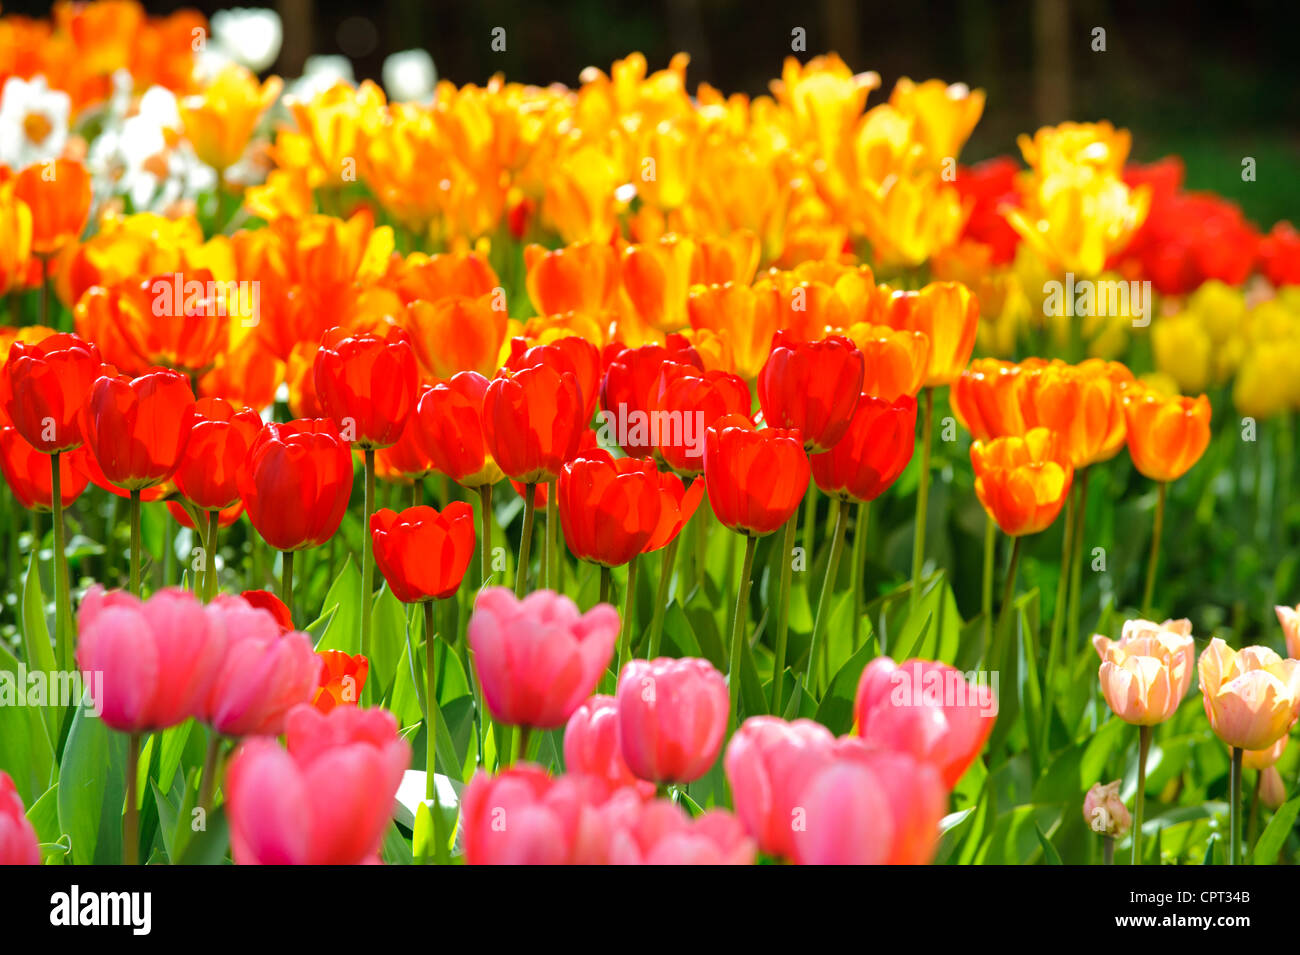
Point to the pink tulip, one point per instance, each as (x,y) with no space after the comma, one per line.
(524,817)
(591,746)
(768,762)
(1145,674)
(157,658)
(1251,696)
(871,807)
(18,845)
(672,717)
(926,709)
(1289,617)
(624,831)
(538,658)
(327,799)
(264,675)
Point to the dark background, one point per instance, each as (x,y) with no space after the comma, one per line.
(1211,81)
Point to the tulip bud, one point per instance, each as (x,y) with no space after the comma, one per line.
(1104,811)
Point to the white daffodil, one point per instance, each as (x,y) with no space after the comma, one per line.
(33,122)
(249,36)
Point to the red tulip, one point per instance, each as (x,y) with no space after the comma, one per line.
(181,516)
(150,663)
(872,453)
(532,422)
(408,459)
(691,402)
(768,763)
(677,504)
(573,354)
(296,482)
(265,600)
(137,428)
(327,799)
(28,472)
(264,674)
(367,384)
(672,717)
(450,421)
(423,554)
(209,469)
(591,746)
(811,387)
(925,709)
(608,508)
(870,807)
(44,386)
(538,658)
(630,390)
(755,478)
(342,678)
(18,845)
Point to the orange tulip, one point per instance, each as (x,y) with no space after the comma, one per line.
(58,194)
(582,277)
(720,259)
(1166,435)
(1022,481)
(220,120)
(948,313)
(458,334)
(987,399)
(896,361)
(16,248)
(431,277)
(746,317)
(1086,410)
(1252,695)
(1145,674)
(656,276)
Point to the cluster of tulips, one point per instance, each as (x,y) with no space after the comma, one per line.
(678,327)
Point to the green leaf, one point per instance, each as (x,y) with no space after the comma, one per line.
(1275,833)
(836,708)
(92,790)
(209,846)
(26,749)
(343,602)
(388,639)
(36,632)
(1050,855)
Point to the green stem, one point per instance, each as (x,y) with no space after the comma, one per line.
(1001,636)
(485,535)
(135,543)
(62,589)
(861,523)
(286,580)
(661,597)
(525,540)
(922,498)
(1108,850)
(525,737)
(210,570)
(432,715)
(606,583)
(783,612)
(817,650)
(1139,801)
(625,626)
(131,820)
(1154,560)
(417,492)
(986,591)
(367,555)
(1253,818)
(1234,807)
(1076,561)
(1058,615)
(552,550)
(738,628)
(810,523)
(208,787)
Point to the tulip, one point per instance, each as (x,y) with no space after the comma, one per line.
(768,763)
(1145,674)
(700,398)
(630,392)
(811,387)
(458,333)
(541,816)
(570,353)
(582,277)
(138,428)
(926,709)
(220,120)
(296,481)
(755,478)
(1022,482)
(44,387)
(327,800)
(745,317)
(1105,813)
(627,832)
(423,554)
(895,363)
(18,843)
(450,419)
(265,673)
(988,398)
(873,452)
(1252,699)
(870,807)
(1289,617)
(538,658)
(672,718)
(591,746)
(265,600)
(28,472)
(209,468)
(59,196)
(677,505)
(342,678)
(1272,790)
(608,508)
(367,384)
(1166,436)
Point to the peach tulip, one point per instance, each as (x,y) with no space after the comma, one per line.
(1252,695)
(1145,674)
(672,717)
(538,658)
(1289,617)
